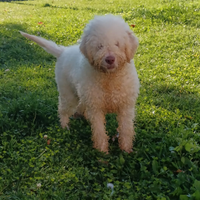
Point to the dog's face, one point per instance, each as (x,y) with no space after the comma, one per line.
(108,43)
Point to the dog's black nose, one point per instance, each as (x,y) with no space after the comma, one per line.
(110,60)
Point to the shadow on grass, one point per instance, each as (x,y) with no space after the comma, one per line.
(28,112)
(12,0)
(182,99)
(167,107)
(67,7)
(15,48)
(23,108)
(177,14)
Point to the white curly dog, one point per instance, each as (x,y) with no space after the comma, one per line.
(98,77)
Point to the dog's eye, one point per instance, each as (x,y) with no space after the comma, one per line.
(100,46)
(117,44)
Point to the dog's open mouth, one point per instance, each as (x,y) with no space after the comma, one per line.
(110,67)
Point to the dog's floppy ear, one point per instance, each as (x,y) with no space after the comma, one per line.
(85,48)
(84,41)
(131,46)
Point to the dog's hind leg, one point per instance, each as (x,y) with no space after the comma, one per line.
(68,99)
(66,108)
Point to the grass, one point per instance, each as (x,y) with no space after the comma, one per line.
(165,163)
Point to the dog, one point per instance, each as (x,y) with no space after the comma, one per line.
(98,76)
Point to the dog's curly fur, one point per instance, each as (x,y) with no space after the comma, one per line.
(98,77)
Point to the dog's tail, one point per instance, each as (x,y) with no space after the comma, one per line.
(47,45)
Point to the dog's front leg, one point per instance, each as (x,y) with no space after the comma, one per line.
(126,129)
(99,137)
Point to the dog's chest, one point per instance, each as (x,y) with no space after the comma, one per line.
(116,92)
(109,93)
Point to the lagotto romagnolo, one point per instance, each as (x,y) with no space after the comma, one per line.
(97,77)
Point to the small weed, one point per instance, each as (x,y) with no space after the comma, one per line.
(46,5)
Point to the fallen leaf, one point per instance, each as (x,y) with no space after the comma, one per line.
(179,171)
(188,117)
(103,162)
(48,142)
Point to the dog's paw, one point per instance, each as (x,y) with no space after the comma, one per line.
(67,127)
(126,149)
(103,147)
(129,150)
(64,125)
(64,120)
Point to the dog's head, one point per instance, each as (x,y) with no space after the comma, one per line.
(108,43)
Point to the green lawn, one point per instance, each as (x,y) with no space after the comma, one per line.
(165,162)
